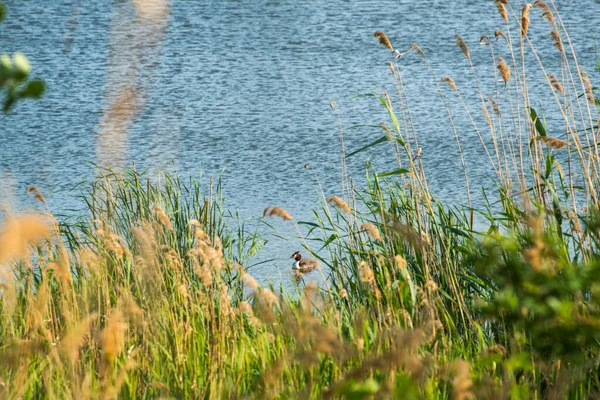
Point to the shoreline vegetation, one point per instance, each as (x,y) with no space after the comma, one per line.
(148,295)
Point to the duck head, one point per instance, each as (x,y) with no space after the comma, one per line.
(296,256)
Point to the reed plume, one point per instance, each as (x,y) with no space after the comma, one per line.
(383,40)
(552,143)
(371,230)
(450,83)
(278,212)
(546,12)
(339,203)
(585,78)
(557,40)
(525,19)
(501,5)
(499,34)
(555,83)
(504,69)
(462,384)
(462,45)
(417,49)
(162,217)
(36,193)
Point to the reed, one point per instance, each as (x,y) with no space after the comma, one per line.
(151,293)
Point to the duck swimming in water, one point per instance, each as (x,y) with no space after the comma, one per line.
(303,264)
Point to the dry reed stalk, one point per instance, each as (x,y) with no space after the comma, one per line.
(501,6)
(340,204)
(450,83)
(504,69)
(383,40)
(525,19)
(36,193)
(371,230)
(551,142)
(555,83)
(462,45)
(546,12)
(277,211)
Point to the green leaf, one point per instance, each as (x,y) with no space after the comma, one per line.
(380,140)
(539,126)
(2,12)
(394,172)
(34,89)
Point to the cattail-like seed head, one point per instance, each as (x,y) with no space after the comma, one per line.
(339,203)
(383,40)
(546,12)
(277,211)
(371,230)
(450,83)
(332,104)
(504,69)
(36,193)
(462,45)
(501,6)
(525,19)
(555,83)
(499,34)
(557,41)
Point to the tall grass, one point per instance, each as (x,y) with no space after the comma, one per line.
(149,294)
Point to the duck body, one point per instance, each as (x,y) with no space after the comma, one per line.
(303,264)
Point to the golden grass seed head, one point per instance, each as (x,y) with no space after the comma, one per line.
(557,41)
(525,19)
(504,69)
(278,212)
(450,83)
(552,143)
(499,34)
(417,49)
(546,11)
(462,45)
(37,195)
(383,39)
(555,83)
(340,204)
(501,6)
(371,230)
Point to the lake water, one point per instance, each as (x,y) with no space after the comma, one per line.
(242,89)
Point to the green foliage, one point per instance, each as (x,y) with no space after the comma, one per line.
(14,77)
